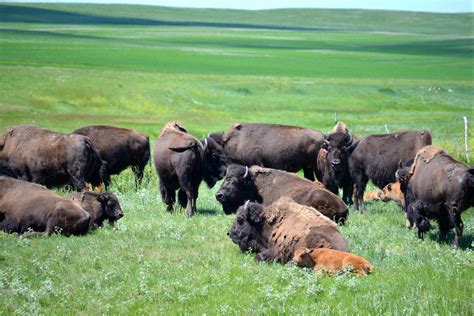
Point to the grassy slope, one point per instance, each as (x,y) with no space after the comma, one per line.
(78,72)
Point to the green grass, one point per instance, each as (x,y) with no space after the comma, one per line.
(139,67)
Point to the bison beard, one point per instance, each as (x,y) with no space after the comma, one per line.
(274,232)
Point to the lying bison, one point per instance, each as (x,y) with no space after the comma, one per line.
(266,185)
(275,231)
(439,187)
(331,260)
(120,148)
(377,158)
(53,159)
(100,206)
(281,147)
(332,162)
(182,162)
(31,208)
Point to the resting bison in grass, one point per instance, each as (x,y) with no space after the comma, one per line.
(331,260)
(267,185)
(52,159)
(182,162)
(100,206)
(288,148)
(31,208)
(120,148)
(439,187)
(275,231)
(332,162)
(377,158)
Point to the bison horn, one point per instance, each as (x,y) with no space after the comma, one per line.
(205,143)
(208,134)
(349,142)
(246,172)
(246,205)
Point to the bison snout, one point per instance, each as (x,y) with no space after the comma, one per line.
(336,162)
(220,196)
(119,215)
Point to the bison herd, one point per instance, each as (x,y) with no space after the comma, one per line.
(279,215)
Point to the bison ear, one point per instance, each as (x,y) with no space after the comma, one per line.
(389,187)
(253,213)
(324,144)
(101,198)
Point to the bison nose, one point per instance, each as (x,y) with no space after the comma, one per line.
(120,215)
(220,196)
(336,162)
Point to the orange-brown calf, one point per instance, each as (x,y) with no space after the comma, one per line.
(374,196)
(330,259)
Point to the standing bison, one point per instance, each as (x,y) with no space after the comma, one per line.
(53,159)
(266,185)
(120,148)
(377,158)
(182,162)
(332,162)
(31,208)
(437,187)
(281,147)
(275,231)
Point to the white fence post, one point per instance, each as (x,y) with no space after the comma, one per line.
(465,138)
(335,117)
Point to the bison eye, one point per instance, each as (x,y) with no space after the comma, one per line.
(240,220)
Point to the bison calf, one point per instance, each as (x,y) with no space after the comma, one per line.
(331,260)
(100,206)
(29,207)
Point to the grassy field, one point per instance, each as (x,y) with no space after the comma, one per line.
(64,66)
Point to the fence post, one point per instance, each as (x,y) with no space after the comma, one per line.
(465,138)
(386,129)
(335,118)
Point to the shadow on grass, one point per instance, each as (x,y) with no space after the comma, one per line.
(18,14)
(464,244)
(209,212)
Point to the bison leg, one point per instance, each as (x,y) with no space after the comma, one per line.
(182,198)
(359,187)
(168,196)
(138,172)
(347,192)
(308,173)
(444,227)
(455,217)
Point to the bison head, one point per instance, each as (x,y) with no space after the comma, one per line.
(237,187)
(110,206)
(416,215)
(302,257)
(339,145)
(247,227)
(215,161)
(403,176)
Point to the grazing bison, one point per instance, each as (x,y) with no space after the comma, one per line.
(439,187)
(330,260)
(275,231)
(281,147)
(53,159)
(182,162)
(120,148)
(31,208)
(100,206)
(266,185)
(332,162)
(377,158)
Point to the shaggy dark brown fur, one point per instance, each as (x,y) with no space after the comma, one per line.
(275,231)
(33,209)
(268,185)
